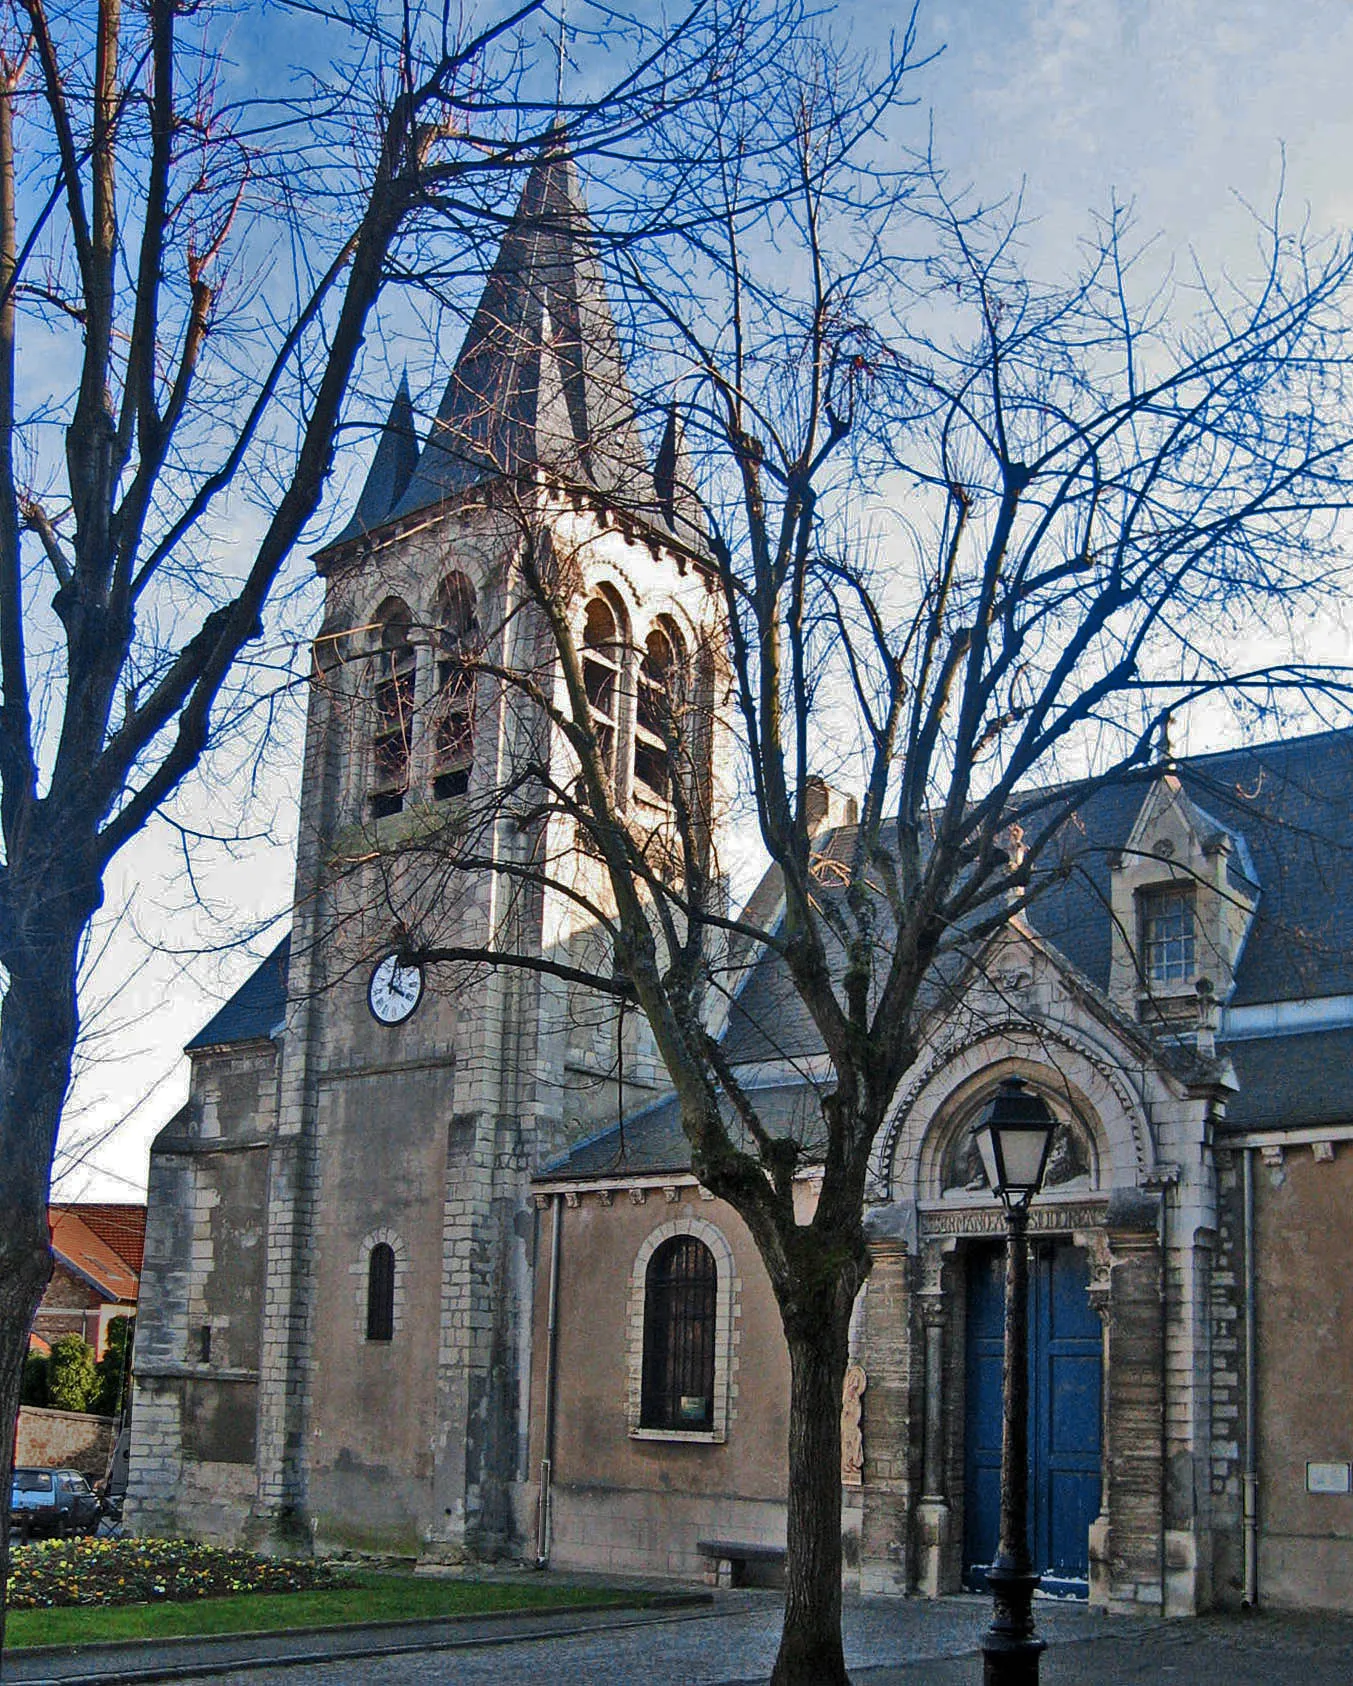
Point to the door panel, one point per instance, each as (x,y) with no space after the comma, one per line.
(1064,1414)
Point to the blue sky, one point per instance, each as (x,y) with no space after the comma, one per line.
(1186,108)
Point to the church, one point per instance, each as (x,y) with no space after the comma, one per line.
(427,1270)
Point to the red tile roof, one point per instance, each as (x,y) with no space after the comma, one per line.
(119,1226)
(80,1249)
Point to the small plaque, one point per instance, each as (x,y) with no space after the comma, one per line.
(1329,1478)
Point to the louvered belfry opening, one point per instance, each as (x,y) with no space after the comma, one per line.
(380,1293)
(680,1300)
(393,692)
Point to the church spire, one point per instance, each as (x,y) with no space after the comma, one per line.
(678,502)
(539,381)
(391,468)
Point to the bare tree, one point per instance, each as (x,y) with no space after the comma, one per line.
(186,279)
(1094,488)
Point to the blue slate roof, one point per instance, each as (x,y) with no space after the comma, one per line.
(391,468)
(256,1008)
(1287,808)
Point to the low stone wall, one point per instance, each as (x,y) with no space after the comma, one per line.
(65,1440)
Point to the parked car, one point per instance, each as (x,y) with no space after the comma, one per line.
(52,1501)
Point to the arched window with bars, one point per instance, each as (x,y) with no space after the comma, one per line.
(380,1293)
(394,682)
(458,641)
(681,1294)
(603,676)
(660,709)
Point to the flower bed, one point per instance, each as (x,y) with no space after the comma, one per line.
(65,1572)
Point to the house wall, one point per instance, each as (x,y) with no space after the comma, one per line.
(1303,1197)
(642,1504)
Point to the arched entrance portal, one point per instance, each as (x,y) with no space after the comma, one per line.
(1065,1352)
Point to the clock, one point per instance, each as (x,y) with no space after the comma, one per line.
(394,990)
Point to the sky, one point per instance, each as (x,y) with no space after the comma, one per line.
(1188,109)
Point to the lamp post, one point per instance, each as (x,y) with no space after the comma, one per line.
(1013,1136)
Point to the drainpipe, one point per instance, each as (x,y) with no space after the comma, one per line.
(1250,1479)
(544,1500)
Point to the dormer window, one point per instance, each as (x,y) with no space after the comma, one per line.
(1168,935)
(660,701)
(458,641)
(393,686)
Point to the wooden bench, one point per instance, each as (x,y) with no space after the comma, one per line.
(730,1559)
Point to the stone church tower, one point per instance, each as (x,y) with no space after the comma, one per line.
(336,1338)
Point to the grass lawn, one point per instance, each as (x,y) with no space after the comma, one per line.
(368,1596)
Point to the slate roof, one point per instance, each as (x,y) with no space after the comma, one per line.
(1292,1082)
(1287,806)
(539,383)
(256,1008)
(1292,802)
(391,468)
(1291,805)
(652,1140)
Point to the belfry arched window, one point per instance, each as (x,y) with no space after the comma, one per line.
(393,686)
(380,1293)
(603,655)
(458,641)
(659,710)
(681,1293)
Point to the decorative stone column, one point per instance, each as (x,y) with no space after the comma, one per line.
(1128,1538)
(934,1519)
(886,1354)
(1100,1298)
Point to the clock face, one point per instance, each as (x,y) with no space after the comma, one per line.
(394,990)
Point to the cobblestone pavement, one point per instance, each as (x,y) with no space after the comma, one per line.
(889,1643)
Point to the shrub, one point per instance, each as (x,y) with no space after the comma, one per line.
(72,1380)
(34,1379)
(114,1367)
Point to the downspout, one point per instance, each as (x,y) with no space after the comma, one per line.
(1250,1479)
(544,1499)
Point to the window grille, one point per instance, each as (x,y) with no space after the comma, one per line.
(380,1293)
(1168,935)
(681,1293)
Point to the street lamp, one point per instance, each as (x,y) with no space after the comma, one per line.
(1013,1136)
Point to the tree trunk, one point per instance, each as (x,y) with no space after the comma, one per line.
(25,1265)
(38,1025)
(811,1652)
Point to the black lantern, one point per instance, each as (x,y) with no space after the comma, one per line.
(1014,1136)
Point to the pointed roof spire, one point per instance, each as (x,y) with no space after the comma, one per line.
(679,503)
(391,468)
(539,381)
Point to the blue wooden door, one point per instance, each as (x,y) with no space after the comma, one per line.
(1064,1415)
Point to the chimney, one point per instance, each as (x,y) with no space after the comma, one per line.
(825,808)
